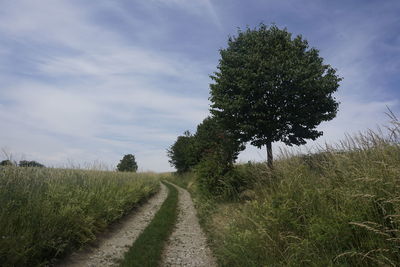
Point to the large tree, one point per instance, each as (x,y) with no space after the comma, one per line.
(271,87)
(127,164)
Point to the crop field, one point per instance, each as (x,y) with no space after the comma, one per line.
(46,213)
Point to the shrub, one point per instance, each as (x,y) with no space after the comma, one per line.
(220,180)
(210,172)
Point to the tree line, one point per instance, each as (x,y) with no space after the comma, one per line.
(268,87)
(127,163)
(22,163)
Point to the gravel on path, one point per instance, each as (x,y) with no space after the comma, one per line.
(187,245)
(110,247)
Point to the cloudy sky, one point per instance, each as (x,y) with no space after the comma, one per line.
(85,81)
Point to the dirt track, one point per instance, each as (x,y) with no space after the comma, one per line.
(111,246)
(187,245)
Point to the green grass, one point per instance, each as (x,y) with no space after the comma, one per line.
(147,249)
(46,213)
(338,207)
(185,180)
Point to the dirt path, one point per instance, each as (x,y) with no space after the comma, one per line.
(187,245)
(112,246)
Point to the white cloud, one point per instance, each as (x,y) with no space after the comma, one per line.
(109,97)
(95,118)
(88,92)
(202,8)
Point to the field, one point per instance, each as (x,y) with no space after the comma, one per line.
(46,213)
(337,207)
(340,206)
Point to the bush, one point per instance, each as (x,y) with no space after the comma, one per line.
(223,181)
(210,172)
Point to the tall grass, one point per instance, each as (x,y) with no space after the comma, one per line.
(340,206)
(45,213)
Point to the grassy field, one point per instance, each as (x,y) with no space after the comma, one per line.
(147,249)
(45,213)
(338,207)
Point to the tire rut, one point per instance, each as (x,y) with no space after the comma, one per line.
(110,248)
(187,245)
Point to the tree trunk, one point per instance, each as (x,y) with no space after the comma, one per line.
(269,155)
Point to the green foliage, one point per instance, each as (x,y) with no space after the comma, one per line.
(334,208)
(6,162)
(45,213)
(211,151)
(127,164)
(210,173)
(147,249)
(183,153)
(218,150)
(25,163)
(272,87)
(213,139)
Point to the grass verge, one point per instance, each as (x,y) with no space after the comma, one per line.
(46,213)
(147,249)
(338,207)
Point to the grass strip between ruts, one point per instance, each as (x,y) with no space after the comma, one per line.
(148,247)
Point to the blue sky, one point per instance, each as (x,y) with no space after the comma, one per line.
(90,81)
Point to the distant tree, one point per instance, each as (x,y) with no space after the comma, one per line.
(212,138)
(270,87)
(6,162)
(25,163)
(183,153)
(127,164)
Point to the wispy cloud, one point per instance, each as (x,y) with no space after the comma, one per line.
(95,91)
(202,8)
(87,81)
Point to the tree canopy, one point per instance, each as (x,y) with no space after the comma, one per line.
(26,163)
(183,153)
(6,162)
(271,87)
(127,164)
(212,138)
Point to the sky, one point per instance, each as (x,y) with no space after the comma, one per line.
(84,82)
